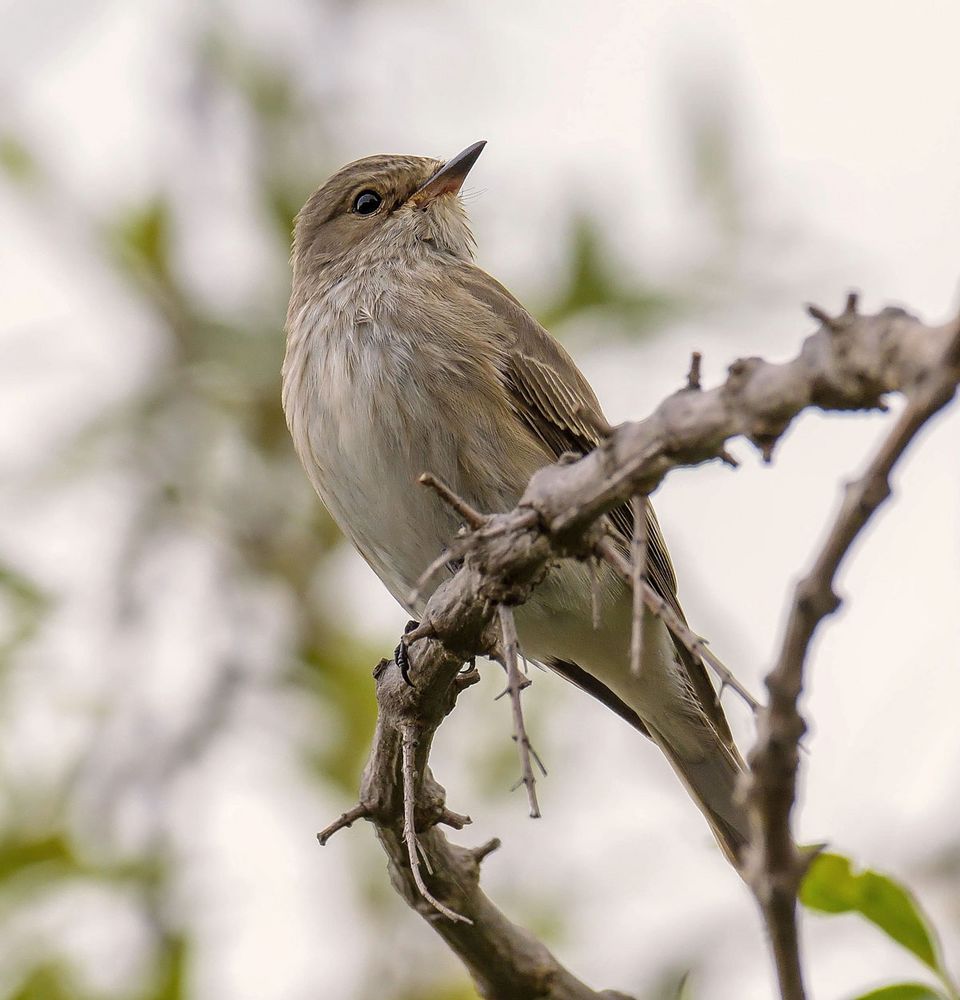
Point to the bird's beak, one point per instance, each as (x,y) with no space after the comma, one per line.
(450,177)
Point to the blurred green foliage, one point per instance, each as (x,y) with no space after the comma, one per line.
(25,605)
(832,886)
(213,387)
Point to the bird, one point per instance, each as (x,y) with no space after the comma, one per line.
(404,357)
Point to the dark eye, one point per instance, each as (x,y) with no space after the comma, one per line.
(367,203)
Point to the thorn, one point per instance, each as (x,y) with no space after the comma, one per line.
(693,376)
(809,853)
(473,517)
(345,820)
(484,850)
(820,315)
(728,459)
(850,307)
(455,820)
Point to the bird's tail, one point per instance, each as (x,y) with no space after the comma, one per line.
(712,780)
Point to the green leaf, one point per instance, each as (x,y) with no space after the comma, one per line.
(832,887)
(902,991)
(142,238)
(16,160)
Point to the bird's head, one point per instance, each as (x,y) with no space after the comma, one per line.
(384,206)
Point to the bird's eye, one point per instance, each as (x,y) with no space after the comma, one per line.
(367,203)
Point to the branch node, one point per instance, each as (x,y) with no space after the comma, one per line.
(479,854)
(453,819)
(467,678)
(344,821)
(766,445)
(425,630)
(821,316)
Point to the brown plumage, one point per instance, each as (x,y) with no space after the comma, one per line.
(404,357)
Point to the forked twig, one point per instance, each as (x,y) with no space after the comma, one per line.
(414,849)
(774,868)
(639,551)
(516,682)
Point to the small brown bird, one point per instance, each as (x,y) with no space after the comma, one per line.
(404,357)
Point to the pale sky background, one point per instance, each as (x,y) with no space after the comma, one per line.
(848,120)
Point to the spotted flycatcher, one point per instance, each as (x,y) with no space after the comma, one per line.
(403,357)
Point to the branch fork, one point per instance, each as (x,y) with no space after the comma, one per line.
(851,362)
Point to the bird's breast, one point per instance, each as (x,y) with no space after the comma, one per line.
(373,402)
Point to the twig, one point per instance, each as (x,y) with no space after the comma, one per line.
(639,549)
(679,628)
(516,682)
(414,848)
(473,517)
(453,552)
(347,819)
(773,866)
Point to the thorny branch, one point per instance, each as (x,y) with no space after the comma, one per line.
(774,867)
(850,363)
(516,682)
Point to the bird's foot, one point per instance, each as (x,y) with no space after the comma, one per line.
(402,655)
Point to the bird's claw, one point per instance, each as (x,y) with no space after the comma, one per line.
(402,655)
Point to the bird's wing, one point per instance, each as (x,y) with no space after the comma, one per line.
(556,403)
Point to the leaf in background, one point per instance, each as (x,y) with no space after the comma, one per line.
(902,991)
(47,982)
(832,887)
(17,162)
(26,604)
(141,238)
(592,283)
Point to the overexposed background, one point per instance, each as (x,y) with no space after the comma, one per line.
(185,693)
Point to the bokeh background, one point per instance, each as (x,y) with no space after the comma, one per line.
(185,640)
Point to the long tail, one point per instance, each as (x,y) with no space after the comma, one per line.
(710,777)
(712,784)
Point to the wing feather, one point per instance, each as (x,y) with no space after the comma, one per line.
(555,402)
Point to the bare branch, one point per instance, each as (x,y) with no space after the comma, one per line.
(774,868)
(850,363)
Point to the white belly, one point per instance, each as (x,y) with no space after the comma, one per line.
(367,421)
